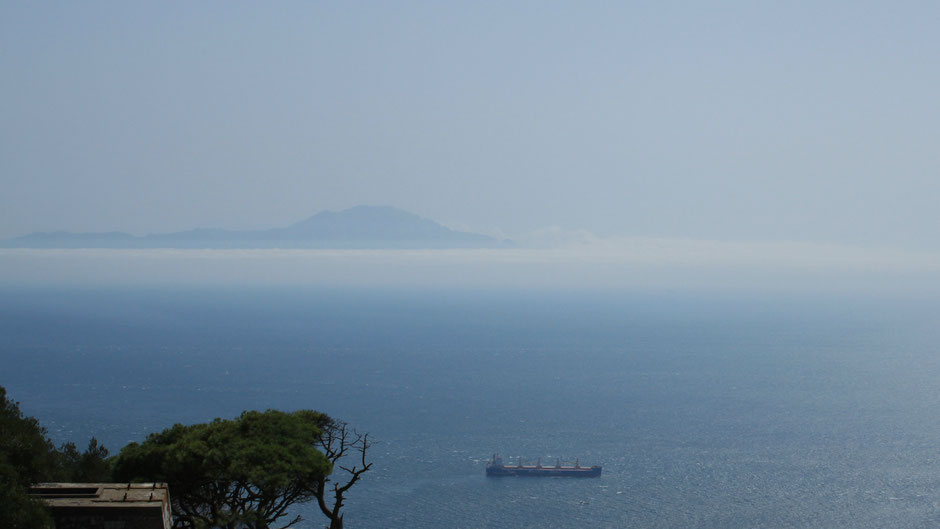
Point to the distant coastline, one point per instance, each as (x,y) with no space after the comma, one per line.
(360,227)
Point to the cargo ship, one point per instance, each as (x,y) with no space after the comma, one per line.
(497,468)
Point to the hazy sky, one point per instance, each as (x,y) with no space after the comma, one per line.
(807,121)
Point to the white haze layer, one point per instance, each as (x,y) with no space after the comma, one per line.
(552,259)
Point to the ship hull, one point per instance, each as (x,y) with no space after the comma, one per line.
(571,472)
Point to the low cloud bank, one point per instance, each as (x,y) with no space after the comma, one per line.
(550,259)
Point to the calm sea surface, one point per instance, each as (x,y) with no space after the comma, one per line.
(706,410)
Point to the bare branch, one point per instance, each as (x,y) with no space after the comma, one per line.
(338,440)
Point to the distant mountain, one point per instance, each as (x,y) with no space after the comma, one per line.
(358,227)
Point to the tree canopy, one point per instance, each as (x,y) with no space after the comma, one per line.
(28,456)
(241,473)
(25,457)
(244,473)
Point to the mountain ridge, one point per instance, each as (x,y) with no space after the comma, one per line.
(358,227)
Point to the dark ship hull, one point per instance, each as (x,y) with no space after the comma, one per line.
(496,468)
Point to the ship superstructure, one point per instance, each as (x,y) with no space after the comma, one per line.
(497,468)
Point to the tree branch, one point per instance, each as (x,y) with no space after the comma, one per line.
(336,441)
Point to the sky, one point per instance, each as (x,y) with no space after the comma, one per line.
(762,122)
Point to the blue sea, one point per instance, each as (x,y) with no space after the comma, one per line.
(706,409)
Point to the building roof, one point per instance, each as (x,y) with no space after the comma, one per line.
(102,494)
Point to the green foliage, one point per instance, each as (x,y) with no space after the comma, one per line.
(23,443)
(90,466)
(19,510)
(242,473)
(27,456)
(93,466)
